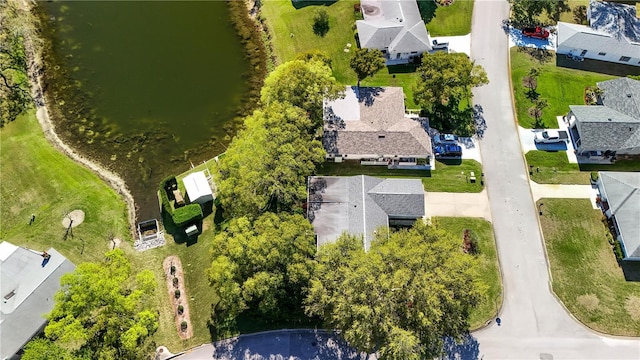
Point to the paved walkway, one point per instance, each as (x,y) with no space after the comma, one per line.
(457,204)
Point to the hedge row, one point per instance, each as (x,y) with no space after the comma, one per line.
(181,216)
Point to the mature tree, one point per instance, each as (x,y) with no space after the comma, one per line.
(101,311)
(45,349)
(262,266)
(304,84)
(266,164)
(366,62)
(315,55)
(16,25)
(526,12)
(412,288)
(444,81)
(320,22)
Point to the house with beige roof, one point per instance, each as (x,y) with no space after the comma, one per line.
(395,27)
(370,125)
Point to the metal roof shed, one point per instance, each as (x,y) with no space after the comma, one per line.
(198,188)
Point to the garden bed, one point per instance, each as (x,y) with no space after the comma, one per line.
(178,296)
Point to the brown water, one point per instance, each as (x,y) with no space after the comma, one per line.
(146,87)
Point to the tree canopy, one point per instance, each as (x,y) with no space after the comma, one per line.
(401,297)
(102,312)
(302,83)
(366,62)
(266,165)
(444,83)
(526,12)
(262,266)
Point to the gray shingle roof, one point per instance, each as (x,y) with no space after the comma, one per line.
(393,24)
(584,37)
(623,95)
(22,315)
(616,19)
(373,125)
(622,191)
(361,204)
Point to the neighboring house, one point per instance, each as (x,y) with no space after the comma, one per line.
(614,18)
(620,202)
(395,27)
(362,205)
(613,126)
(29,281)
(370,125)
(582,41)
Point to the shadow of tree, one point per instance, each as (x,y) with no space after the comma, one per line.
(367,95)
(466,349)
(541,55)
(479,121)
(427,10)
(299,4)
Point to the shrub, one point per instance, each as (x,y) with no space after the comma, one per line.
(470,242)
(173,269)
(175,282)
(321,22)
(187,214)
(167,185)
(177,293)
(617,249)
(183,325)
(180,309)
(594,176)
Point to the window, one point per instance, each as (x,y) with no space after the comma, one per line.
(380,136)
(624,58)
(602,53)
(583,53)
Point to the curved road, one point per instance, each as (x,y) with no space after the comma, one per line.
(534,324)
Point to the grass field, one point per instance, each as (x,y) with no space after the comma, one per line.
(37,179)
(554,168)
(452,20)
(560,86)
(488,264)
(446,178)
(586,276)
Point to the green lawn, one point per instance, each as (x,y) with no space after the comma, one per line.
(554,168)
(450,20)
(446,178)
(586,276)
(488,264)
(37,179)
(560,86)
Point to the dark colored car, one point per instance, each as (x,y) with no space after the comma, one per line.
(448,150)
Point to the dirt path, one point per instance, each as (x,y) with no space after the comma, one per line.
(35,73)
(183,300)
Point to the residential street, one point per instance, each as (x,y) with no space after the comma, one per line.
(534,323)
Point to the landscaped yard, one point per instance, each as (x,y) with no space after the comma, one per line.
(554,168)
(37,179)
(560,86)
(446,178)
(452,20)
(586,276)
(488,264)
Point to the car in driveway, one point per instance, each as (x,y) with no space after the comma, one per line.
(551,137)
(445,139)
(448,150)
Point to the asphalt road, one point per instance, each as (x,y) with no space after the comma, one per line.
(534,324)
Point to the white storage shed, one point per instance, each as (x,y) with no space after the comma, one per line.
(198,188)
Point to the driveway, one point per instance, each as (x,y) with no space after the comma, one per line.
(517,39)
(534,323)
(457,204)
(559,191)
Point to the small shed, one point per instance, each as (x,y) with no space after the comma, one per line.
(198,188)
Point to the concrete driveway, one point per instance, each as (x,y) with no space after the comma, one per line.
(457,204)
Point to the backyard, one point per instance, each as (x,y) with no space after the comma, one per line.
(561,87)
(488,264)
(452,20)
(448,177)
(586,276)
(554,168)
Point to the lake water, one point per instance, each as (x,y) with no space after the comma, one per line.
(148,85)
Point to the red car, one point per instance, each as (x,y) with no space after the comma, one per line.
(536,32)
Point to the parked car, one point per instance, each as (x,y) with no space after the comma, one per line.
(445,139)
(536,32)
(448,150)
(551,136)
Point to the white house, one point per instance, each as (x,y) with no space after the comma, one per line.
(197,187)
(395,27)
(585,42)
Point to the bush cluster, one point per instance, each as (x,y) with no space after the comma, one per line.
(181,216)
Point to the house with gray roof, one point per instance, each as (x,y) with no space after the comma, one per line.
(370,124)
(581,41)
(620,202)
(29,281)
(395,27)
(613,125)
(362,205)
